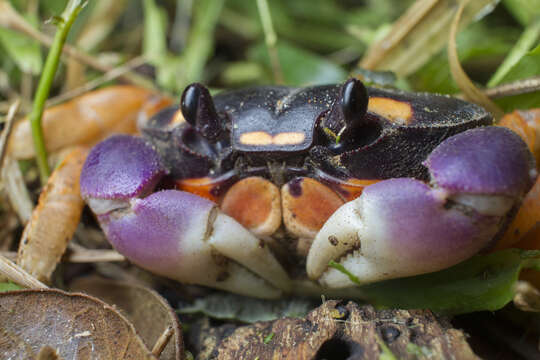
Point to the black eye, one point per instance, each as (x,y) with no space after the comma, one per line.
(199,111)
(354,102)
(349,109)
(347,126)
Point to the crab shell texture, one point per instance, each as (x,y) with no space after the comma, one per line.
(257,191)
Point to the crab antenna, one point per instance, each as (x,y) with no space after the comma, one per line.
(199,111)
(349,109)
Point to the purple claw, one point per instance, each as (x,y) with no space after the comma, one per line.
(490,160)
(403,227)
(185,237)
(173,233)
(152,232)
(121,167)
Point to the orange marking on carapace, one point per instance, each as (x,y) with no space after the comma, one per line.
(255,203)
(256,138)
(288,138)
(262,138)
(199,186)
(527,125)
(396,111)
(307,204)
(353,187)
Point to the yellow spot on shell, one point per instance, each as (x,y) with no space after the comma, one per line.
(263,138)
(289,138)
(398,112)
(256,138)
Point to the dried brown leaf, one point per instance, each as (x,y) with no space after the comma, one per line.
(13,182)
(339,330)
(470,91)
(527,297)
(48,353)
(147,310)
(55,218)
(77,326)
(418,34)
(87,119)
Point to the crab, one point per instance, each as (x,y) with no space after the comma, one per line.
(257,191)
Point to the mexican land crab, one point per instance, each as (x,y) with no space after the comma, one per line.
(249,190)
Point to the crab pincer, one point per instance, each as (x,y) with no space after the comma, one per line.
(403,227)
(173,233)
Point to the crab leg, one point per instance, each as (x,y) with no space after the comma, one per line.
(403,227)
(173,233)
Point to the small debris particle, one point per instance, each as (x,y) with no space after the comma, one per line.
(83,334)
(333,240)
(390,333)
(269,338)
(340,313)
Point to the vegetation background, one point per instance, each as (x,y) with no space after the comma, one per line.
(164,45)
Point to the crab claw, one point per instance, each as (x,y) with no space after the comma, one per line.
(404,227)
(173,233)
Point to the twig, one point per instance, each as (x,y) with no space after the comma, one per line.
(11,19)
(403,26)
(13,182)
(90,85)
(90,256)
(270,39)
(73,8)
(519,87)
(162,341)
(17,275)
(13,109)
(81,256)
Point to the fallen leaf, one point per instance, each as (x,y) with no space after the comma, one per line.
(7,286)
(469,89)
(420,33)
(77,326)
(338,330)
(150,313)
(54,220)
(245,309)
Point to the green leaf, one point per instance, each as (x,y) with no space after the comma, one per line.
(484,282)
(249,310)
(168,73)
(155,32)
(268,338)
(9,287)
(481,48)
(523,10)
(419,351)
(24,51)
(200,45)
(521,102)
(300,67)
(528,66)
(386,353)
(526,41)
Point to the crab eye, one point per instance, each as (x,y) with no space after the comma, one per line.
(199,111)
(354,101)
(349,109)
